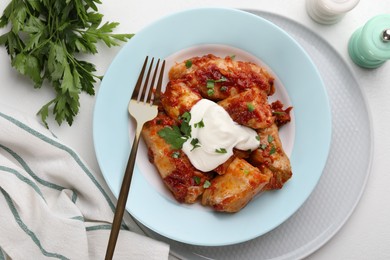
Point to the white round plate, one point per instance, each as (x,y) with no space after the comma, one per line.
(299,84)
(343,179)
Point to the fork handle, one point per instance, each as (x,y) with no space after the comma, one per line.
(123,194)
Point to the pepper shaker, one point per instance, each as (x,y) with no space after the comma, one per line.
(369,45)
(329,11)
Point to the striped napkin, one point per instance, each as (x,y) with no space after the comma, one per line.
(52,205)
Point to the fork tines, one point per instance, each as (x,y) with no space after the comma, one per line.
(149,92)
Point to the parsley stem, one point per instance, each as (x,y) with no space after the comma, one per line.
(40,45)
(75,62)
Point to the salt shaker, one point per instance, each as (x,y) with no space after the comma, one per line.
(329,11)
(369,46)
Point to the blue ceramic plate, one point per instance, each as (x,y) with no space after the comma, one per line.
(222,32)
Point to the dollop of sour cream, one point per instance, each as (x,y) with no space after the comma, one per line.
(214,134)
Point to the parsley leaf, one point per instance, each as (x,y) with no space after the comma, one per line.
(195,143)
(197,180)
(44,41)
(200,124)
(188,64)
(263,146)
(206,184)
(221,150)
(186,117)
(272,151)
(185,127)
(28,65)
(173,136)
(210,84)
(176,136)
(210,87)
(250,107)
(176,154)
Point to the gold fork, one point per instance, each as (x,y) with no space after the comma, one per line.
(142,107)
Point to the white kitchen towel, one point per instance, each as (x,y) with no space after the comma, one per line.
(52,205)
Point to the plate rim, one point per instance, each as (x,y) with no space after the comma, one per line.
(140,179)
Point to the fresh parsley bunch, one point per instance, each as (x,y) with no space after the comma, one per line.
(43,43)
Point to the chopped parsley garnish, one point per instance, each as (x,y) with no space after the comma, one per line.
(206,184)
(195,143)
(210,84)
(263,146)
(250,107)
(173,136)
(200,124)
(232,56)
(185,127)
(270,139)
(176,154)
(197,180)
(188,64)
(222,79)
(176,136)
(272,151)
(278,112)
(221,150)
(224,88)
(210,92)
(210,87)
(257,138)
(186,117)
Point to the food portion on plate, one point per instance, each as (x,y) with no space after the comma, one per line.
(216,136)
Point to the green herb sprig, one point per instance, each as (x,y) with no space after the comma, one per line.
(177,136)
(173,136)
(195,143)
(44,39)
